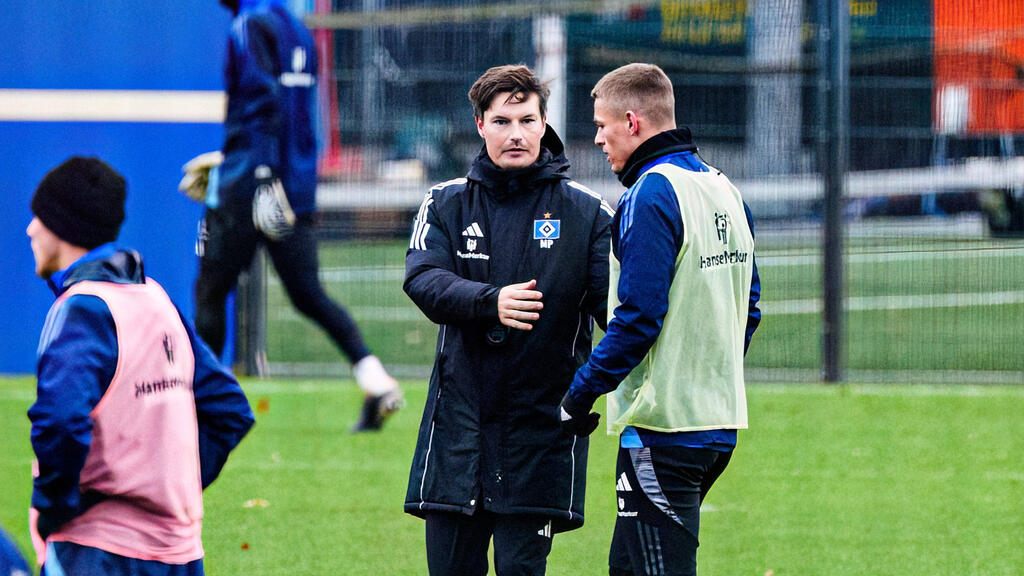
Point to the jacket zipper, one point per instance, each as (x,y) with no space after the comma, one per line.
(430,440)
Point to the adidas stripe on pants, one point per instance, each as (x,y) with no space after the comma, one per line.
(659,491)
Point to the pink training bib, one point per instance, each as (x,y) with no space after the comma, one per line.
(145,450)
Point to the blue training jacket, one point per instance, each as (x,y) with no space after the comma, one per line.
(270,78)
(77,358)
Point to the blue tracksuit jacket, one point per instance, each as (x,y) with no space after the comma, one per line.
(270,78)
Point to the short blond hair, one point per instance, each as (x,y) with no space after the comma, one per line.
(643,88)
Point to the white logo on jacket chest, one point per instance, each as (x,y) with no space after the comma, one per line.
(471,234)
(298,77)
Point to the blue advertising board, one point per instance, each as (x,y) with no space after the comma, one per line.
(137,84)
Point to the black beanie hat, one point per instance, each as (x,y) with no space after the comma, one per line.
(82,202)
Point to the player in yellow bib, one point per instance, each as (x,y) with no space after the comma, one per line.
(682,307)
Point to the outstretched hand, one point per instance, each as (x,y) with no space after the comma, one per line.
(518,305)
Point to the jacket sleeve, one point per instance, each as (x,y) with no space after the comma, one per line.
(753,311)
(222,410)
(76,363)
(596,300)
(649,238)
(252,63)
(11,560)
(430,278)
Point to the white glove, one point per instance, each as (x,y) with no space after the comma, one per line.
(271,213)
(197,175)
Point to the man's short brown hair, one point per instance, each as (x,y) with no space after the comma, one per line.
(516,79)
(643,88)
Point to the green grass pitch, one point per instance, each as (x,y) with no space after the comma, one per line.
(844,480)
(848,480)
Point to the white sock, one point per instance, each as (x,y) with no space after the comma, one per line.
(372,378)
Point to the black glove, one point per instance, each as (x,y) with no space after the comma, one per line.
(576,417)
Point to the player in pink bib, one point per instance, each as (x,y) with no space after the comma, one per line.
(134,416)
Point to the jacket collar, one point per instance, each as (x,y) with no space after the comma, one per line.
(105,263)
(551,164)
(667,142)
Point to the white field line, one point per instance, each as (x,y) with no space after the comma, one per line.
(953,390)
(901,302)
(397,273)
(768,261)
(359,274)
(884,379)
(335,370)
(903,383)
(363,274)
(770,307)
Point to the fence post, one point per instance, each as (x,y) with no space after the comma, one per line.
(833,163)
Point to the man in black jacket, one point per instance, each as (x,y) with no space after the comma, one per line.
(512,263)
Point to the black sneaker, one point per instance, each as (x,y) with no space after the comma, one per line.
(377,409)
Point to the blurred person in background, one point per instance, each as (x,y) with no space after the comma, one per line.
(261,188)
(134,416)
(512,263)
(684,292)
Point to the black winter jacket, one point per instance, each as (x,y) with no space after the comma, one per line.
(490,433)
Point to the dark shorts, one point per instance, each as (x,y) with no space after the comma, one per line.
(226,244)
(70,559)
(457,544)
(659,491)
